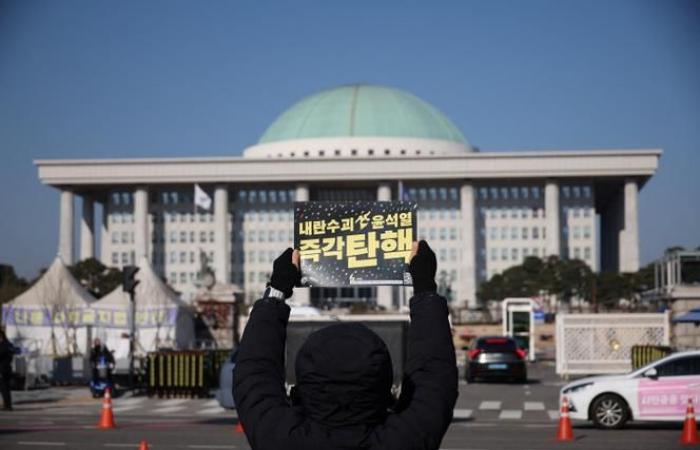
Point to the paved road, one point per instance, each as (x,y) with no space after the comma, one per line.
(487,416)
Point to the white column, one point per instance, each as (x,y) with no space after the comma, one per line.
(551,208)
(302,296)
(65,228)
(105,257)
(87,230)
(141,237)
(222,254)
(384,293)
(629,236)
(466,285)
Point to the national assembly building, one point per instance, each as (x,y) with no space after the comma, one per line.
(481,211)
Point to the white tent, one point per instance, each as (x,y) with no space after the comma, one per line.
(161,320)
(50,317)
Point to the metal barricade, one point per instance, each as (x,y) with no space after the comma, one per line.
(191,373)
(642,355)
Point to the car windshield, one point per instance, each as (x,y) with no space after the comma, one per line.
(496,345)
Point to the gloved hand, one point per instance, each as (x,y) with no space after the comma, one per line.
(423,267)
(285,272)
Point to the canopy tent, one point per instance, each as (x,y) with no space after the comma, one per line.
(50,316)
(692,316)
(161,319)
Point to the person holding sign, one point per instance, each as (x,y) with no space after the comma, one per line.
(344,374)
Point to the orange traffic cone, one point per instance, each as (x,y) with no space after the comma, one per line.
(239,427)
(107,419)
(143,445)
(564,432)
(690,427)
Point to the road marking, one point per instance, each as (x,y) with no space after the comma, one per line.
(511,414)
(462,414)
(553,414)
(130,401)
(211,403)
(490,405)
(168,409)
(210,446)
(212,410)
(124,408)
(44,443)
(534,406)
(527,392)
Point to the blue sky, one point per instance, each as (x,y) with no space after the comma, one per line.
(86,79)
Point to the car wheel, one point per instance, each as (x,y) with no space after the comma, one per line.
(610,412)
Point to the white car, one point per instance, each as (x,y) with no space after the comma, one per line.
(656,392)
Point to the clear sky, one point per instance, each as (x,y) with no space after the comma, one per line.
(96,79)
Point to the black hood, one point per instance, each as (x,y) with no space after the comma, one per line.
(344,376)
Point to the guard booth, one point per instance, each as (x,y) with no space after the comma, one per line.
(518,317)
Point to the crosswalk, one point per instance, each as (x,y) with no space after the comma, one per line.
(202,408)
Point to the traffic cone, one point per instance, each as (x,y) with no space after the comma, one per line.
(239,427)
(690,427)
(564,432)
(107,419)
(143,445)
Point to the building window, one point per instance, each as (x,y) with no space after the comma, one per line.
(587,232)
(577,232)
(172,257)
(587,253)
(577,253)
(211,236)
(504,233)
(535,232)
(183,277)
(115,258)
(125,237)
(524,232)
(115,237)
(504,254)
(493,233)
(125,258)
(494,254)
(514,254)
(514,233)
(183,236)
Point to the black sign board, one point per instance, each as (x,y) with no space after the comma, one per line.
(356,243)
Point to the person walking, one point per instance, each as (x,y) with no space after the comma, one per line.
(7,352)
(343,399)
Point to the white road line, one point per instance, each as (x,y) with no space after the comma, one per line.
(533,406)
(490,405)
(169,409)
(124,408)
(212,410)
(462,413)
(174,401)
(211,403)
(130,401)
(553,414)
(44,443)
(511,414)
(210,446)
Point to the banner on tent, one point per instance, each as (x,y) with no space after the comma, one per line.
(111,318)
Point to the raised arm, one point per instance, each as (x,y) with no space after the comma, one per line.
(429,389)
(258,382)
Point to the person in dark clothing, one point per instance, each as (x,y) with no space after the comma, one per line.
(7,352)
(342,399)
(100,350)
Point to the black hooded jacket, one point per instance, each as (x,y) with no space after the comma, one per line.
(343,383)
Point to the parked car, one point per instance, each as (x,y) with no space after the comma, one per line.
(656,392)
(496,357)
(225,393)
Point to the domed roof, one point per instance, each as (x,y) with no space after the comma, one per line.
(361,110)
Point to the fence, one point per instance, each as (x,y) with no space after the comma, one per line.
(183,373)
(602,343)
(646,354)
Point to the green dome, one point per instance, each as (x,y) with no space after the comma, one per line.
(362,111)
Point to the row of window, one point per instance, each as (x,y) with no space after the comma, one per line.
(432,194)
(268,235)
(503,233)
(530,192)
(441,234)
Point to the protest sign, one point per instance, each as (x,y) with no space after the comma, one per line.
(356,243)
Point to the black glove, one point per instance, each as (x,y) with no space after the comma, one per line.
(423,267)
(285,274)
